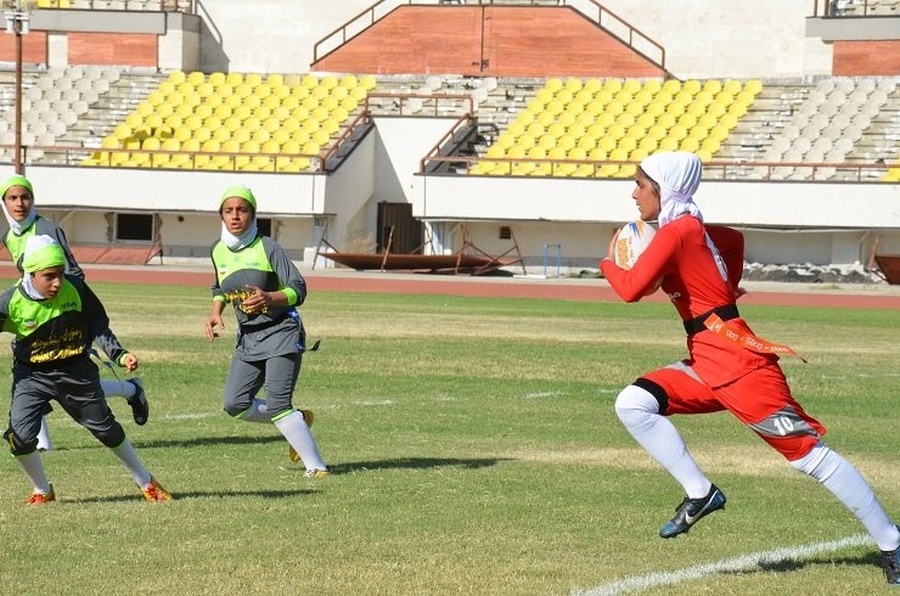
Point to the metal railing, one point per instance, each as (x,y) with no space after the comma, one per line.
(185,6)
(715,170)
(604,18)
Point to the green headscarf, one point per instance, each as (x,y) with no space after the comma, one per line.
(240,191)
(16,180)
(42,252)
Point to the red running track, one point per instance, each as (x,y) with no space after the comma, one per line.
(876,297)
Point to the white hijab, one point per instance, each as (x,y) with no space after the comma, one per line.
(19,227)
(678,175)
(241,242)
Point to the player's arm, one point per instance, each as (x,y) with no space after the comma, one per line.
(98,327)
(730,243)
(214,320)
(633,284)
(72,266)
(292,290)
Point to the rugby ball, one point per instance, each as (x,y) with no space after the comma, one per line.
(631,241)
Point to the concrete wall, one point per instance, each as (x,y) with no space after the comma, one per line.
(726,38)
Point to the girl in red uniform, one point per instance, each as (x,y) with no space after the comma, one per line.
(728,367)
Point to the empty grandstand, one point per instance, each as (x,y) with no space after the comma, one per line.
(133,117)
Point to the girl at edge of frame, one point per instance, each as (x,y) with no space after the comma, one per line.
(17,194)
(728,368)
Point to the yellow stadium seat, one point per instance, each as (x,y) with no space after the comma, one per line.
(177,77)
(689,144)
(585,119)
(643,97)
(182,134)
(203,111)
(648,144)
(587,142)
(719,132)
(150,144)
(666,120)
(526,141)
(535,129)
(678,132)
(221,134)
(321,137)
(632,86)
(557,129)
(593,86)
(367,82)
(675,108)
(547,141)
(606,143)
(699,132)
(564,95)
(729,120)
(737,110)
(195,78)
(554,85)
(653,86)
(711,144)
(754,86)
(692,86)
(627,143)
(687,120)
(598,154)
(668,144)
(707,121)
(716,109)
(574,85)
(202,134)
(567,142)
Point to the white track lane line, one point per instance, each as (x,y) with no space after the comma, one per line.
(741,563)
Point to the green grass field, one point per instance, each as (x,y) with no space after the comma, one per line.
(474,449)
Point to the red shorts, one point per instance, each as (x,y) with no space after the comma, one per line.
(761,399)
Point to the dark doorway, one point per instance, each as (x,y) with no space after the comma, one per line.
(398,231)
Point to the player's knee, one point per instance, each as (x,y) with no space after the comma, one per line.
(112,436)
(17,445)
(234,410)
(635,400)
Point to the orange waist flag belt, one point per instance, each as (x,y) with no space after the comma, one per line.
(753,343)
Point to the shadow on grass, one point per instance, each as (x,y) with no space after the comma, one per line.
(788,565)
(412,463)
(179,496)
(192,442)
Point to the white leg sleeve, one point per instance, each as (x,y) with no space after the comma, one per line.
(846,483)
(639,412)
(33,467)
(129,458)
(297,433)
(43,439)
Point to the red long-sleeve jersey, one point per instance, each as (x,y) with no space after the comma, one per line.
(679,255)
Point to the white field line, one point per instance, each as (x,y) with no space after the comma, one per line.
(741,563)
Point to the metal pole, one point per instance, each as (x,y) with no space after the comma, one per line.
(17,161)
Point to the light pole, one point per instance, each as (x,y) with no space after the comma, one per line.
(18,23)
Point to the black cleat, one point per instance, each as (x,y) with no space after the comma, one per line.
(140,409)
(890,562)
(691,511)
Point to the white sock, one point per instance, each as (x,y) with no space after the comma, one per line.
(129,457)
(257,412)
(297,433)
(43,439)
(639,412)
(846,483)
(33,467)
(117,388)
